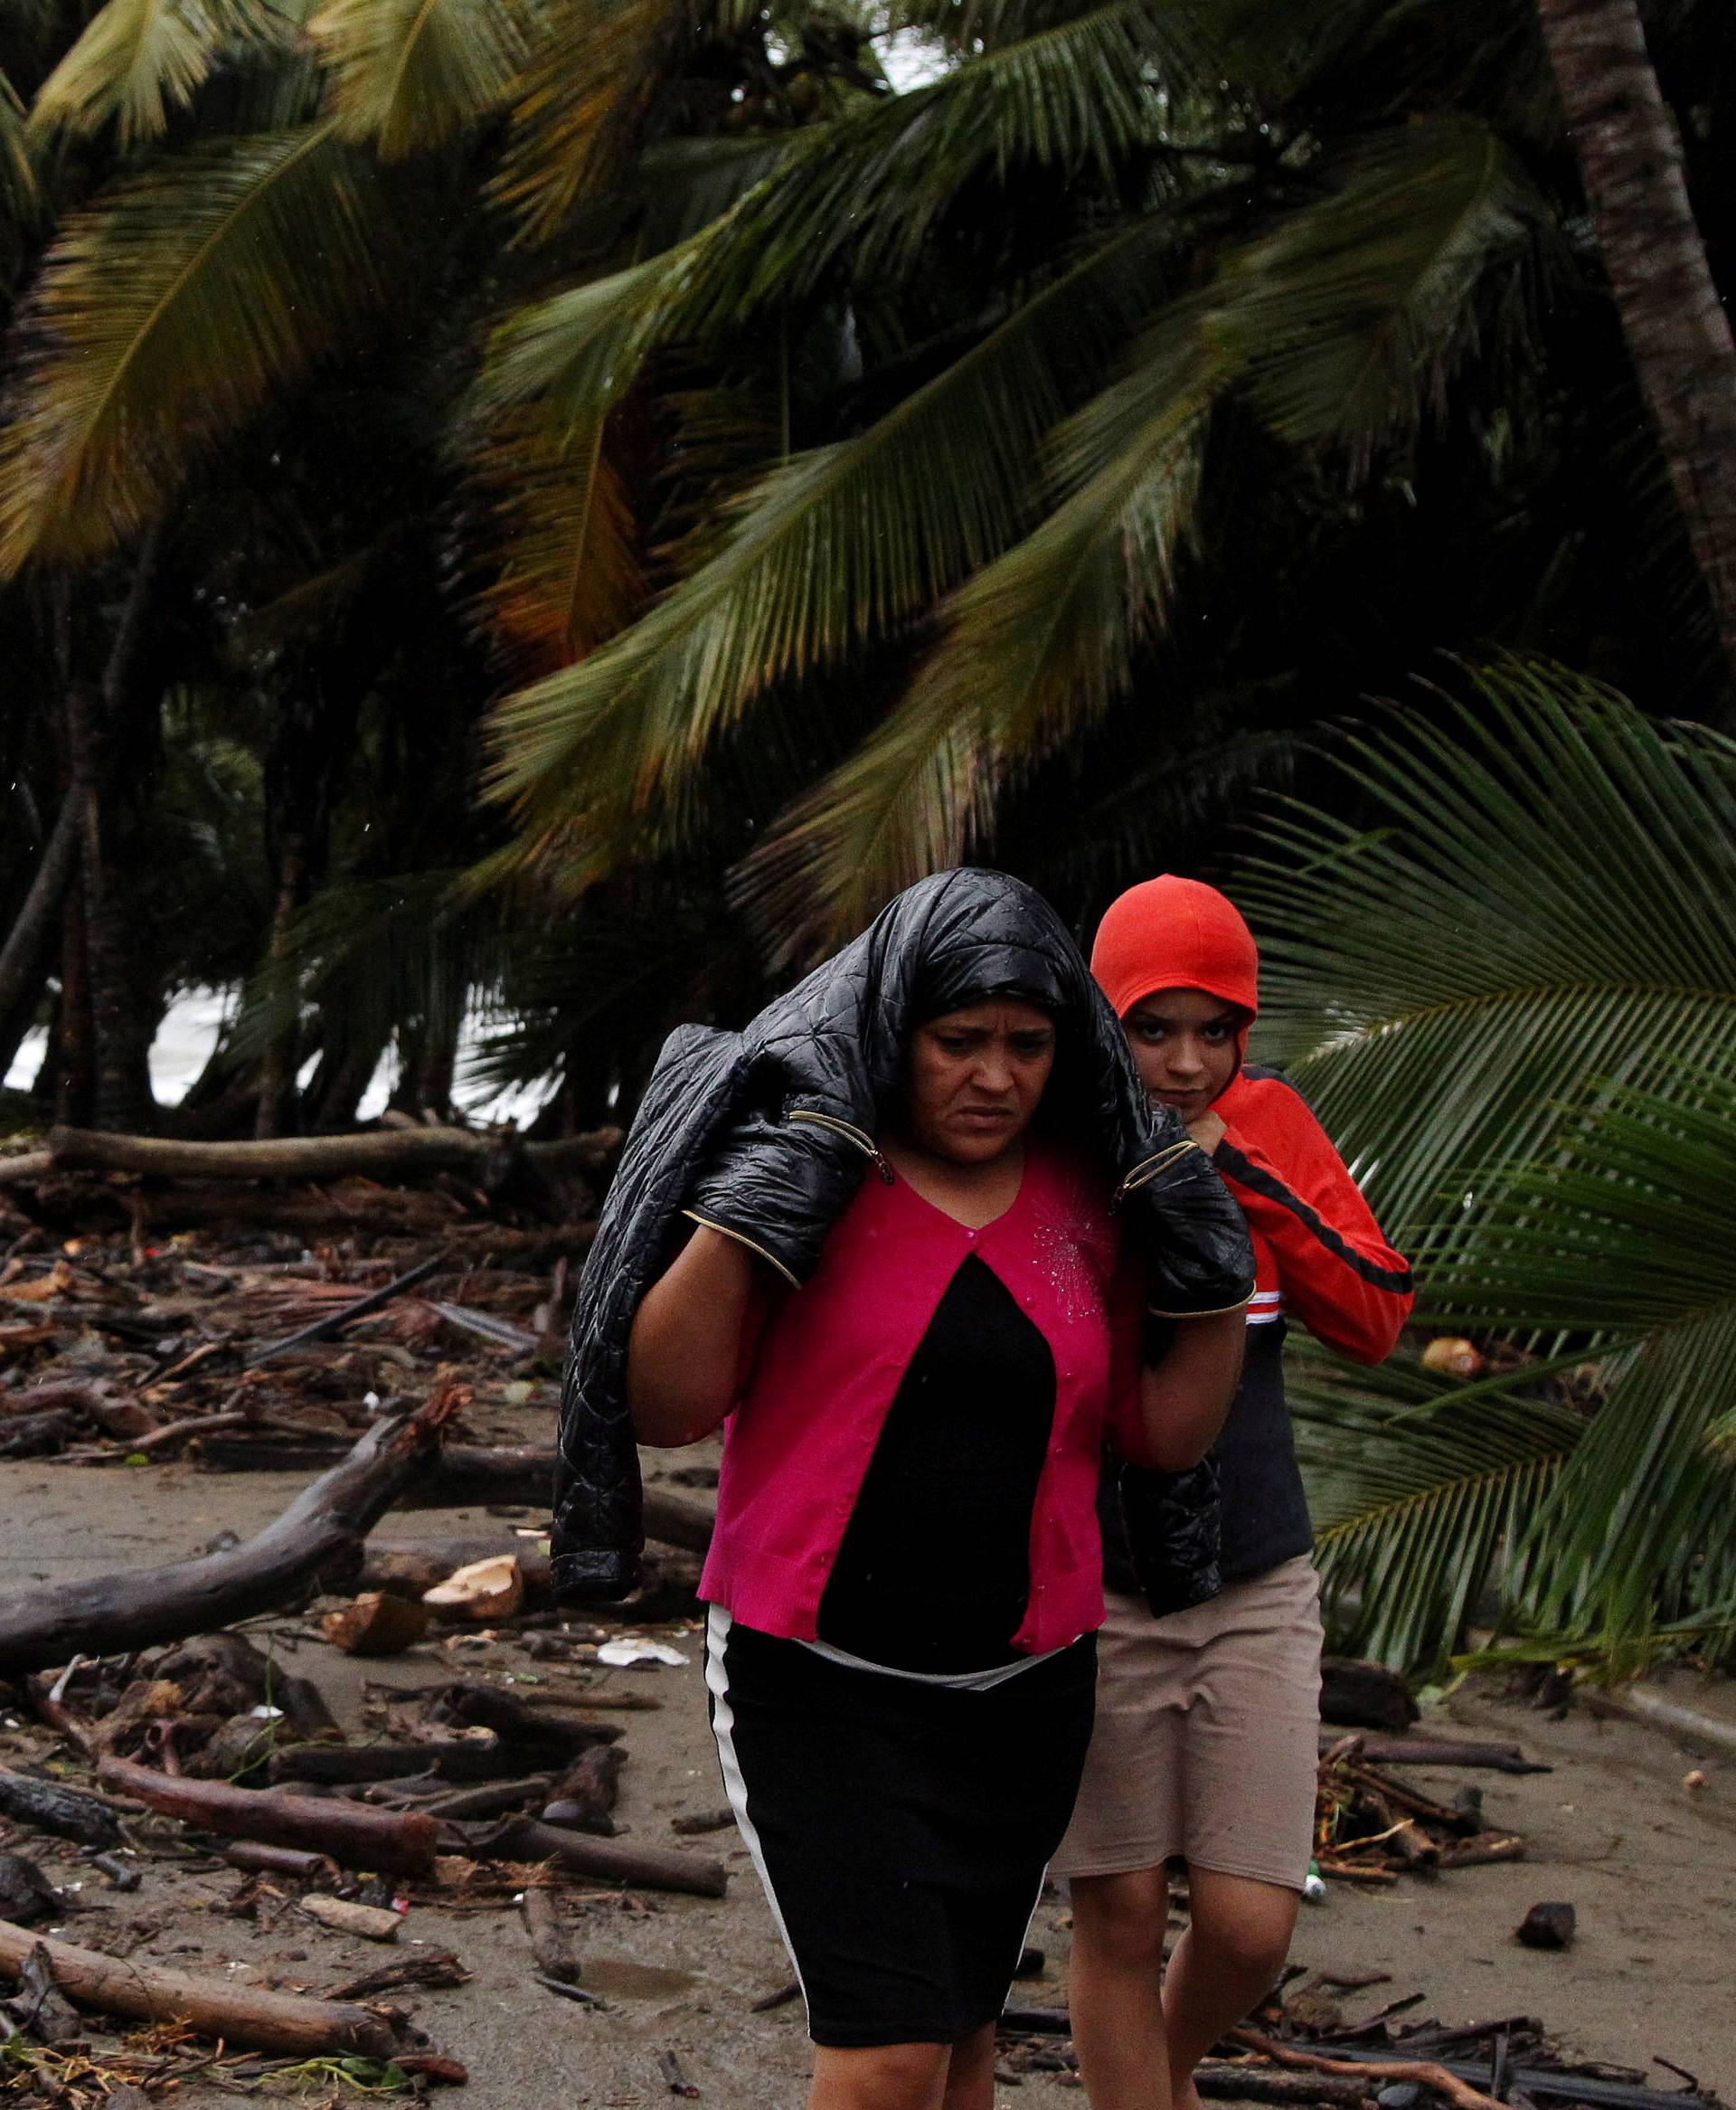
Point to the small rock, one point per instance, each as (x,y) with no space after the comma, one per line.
(1547,1926)
(1400,2095)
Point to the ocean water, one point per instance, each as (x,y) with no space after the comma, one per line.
(189,1032)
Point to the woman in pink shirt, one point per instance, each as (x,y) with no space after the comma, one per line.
(916,1318)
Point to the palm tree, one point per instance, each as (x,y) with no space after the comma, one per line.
(1507,985)
(245,331)
(1085,283)
(1672,318)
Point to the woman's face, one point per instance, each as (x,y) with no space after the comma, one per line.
(1183,1044)
(973,1079)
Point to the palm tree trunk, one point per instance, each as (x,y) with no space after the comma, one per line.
(1678,335)
(122,1097)
(28,951)
(70,1062)
(277,1068)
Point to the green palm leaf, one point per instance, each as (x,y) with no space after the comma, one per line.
(1445,981)
(408,75)
(571,574)
(19,195)
(1477,997)
(1038,643)
(592,74)
(1628,1232)
(1422,1490)
(1351,315)
(1325,322)
(137,61)
(167,313)
(1084,92)
(835,547)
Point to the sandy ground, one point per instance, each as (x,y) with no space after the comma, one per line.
(1649,1862)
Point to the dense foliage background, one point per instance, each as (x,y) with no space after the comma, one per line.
(538,515)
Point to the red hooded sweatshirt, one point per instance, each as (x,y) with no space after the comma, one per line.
(1319,1254)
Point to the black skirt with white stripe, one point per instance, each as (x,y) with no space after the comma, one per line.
(900,1826)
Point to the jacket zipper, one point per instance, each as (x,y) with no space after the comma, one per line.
(863,1141)
(1143,1174)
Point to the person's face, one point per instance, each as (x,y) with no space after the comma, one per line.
(1183,1044)
(974,1077)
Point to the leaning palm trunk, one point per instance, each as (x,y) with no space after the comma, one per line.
(1677,333)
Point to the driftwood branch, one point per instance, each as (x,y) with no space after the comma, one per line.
(209,2004)
(610,1861)
(351,1833)
(389,1153)
(1424,2071)
(321,1531)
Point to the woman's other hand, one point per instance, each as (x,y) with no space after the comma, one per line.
(1207,1129)
(683,1355)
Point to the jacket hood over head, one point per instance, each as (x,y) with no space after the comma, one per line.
(833,1045)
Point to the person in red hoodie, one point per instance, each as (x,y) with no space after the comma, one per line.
(1205,1743)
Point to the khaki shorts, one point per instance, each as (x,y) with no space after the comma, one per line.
(1206,1738)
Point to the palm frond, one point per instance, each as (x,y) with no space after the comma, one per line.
(839,545)
(570,574)
(137,61)
(1037,646)
(408,75)
(1422,1492)
(1446,980)
(1083,93)
(1351,315)
(593,72)
(166,313)
(1642,1523)
(19,194)
(1627,1232)
(1629,1227)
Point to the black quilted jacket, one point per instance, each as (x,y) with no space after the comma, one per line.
(835,1044)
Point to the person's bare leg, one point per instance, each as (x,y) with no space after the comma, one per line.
(970,2072)
(1114,1983)
(1227,1960)
(880,2077)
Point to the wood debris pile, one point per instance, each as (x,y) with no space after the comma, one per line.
(1370,1827)
(1297,2050)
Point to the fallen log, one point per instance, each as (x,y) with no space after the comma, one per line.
(318,1534)
(464,1759)
(639,1868)
(353,1835)
(210,2005)
(65,1812)
(379,1153)
(1437,1751)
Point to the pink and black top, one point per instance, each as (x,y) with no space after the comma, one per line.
(911,1470)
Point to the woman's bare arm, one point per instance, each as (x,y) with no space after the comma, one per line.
(685,1351)
(1184,1399)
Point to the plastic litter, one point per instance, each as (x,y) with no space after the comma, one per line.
(633,1648)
